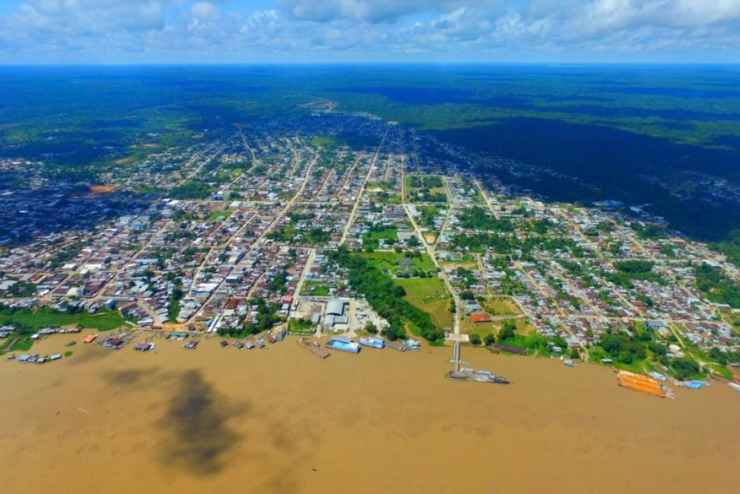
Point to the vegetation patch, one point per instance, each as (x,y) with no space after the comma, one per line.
(386,298)
(717,287)
(431,296)
(402,265)
(28,320)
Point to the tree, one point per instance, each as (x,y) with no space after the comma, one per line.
(508,331)
(394,332)
(475,339)
(489,339)
(685,368)
(371,328)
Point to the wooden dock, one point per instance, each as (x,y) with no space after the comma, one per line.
(314,347)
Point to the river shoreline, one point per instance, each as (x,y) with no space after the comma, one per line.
(281,420)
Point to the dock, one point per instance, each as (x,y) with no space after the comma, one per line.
(313,347)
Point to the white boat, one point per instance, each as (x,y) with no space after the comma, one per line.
(372,342)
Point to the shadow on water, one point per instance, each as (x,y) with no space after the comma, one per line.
(196,422)
(129,377)
(92,353)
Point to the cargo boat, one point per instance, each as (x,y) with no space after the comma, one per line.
(460,373)
(480,376)
(343,345)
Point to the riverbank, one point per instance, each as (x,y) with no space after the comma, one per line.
(280,420)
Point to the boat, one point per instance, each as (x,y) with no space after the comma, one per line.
(260,343)
(191,345)
(734,386)
(55,356)
(693,384)
(460,373)
(658,376)
(313,347)
(144,347)
(90,338)
(480,376)
(373,342)
(114,343)
(412,345)
(239,345)
(278,336)
(569,363)
(397,345)
(644,384)
(343,345)
(224,343)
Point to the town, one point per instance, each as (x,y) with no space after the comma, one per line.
(290,228)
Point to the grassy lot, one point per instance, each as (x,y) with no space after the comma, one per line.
(383,197)
(431,296)
(315,289)
(45,317)
(301,327)
(501,306)
(372,238)
(482,328)
(395,263)
(426,188)
(468,327)
(427,215)
(219,215)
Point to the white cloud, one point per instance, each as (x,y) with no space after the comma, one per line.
(204,10)
(177,30)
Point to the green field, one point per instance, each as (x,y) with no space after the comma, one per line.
(431,296)
(501,306)
(315,289)
(44,317)
(402,265)
(301,327)
(219,215)
(371,240)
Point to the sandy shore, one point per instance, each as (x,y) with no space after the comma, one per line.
(282,421)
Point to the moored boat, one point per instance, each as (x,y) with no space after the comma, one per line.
(343,345)
(372,342)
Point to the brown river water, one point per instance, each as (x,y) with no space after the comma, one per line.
(281,420)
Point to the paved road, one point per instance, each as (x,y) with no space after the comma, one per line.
(353,214)
(442,274)
(261,238)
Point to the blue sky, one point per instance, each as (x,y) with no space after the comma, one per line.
(258,31)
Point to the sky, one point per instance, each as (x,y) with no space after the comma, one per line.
(320,31)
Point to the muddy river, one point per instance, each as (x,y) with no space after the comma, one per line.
(282,421)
